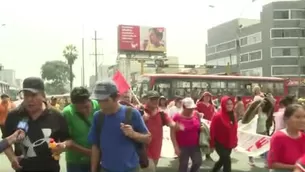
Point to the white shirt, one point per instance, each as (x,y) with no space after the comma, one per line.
(258,98)
(174,110)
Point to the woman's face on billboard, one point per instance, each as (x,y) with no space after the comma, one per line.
(153,37)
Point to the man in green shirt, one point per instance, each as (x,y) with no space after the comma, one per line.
(79,116)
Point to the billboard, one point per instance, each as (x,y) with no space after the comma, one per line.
(141,39)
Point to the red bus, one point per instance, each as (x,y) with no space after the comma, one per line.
(172,85)
(293,85)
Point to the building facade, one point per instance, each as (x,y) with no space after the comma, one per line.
(8,76)
(271,46)
(102,72)
(171,65)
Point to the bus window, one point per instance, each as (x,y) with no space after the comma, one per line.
(232,88)
(144,88)
(245,88)
(163,88)
(197,88)
(222,84)
(218,87)
(267,87)
(196,84)
(137,89)
(182,88)
(214,88)
(278,89)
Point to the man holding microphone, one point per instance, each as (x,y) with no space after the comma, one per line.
(42,124)
(17,136)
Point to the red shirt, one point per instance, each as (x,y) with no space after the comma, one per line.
(207,109)
(301,163)
(284,149)
(190,135)
(154,125)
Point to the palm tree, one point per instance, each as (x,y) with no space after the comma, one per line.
(71,54)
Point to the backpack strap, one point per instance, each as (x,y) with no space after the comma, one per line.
(128,115)
(99,126)
(162,115)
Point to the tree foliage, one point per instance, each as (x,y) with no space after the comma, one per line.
(56,74)
(70,53)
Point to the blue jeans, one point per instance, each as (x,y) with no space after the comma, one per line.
(78,167)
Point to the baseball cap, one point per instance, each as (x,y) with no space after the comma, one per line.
(188,103)
(104,89)
(4,96)
(152,94)
(79,94)
(33,84)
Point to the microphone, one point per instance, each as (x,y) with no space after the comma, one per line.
(23,125)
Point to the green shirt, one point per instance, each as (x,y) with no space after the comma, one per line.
(79,131)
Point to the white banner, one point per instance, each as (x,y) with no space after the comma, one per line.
(249,142)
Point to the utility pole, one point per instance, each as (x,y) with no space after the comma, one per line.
(83,59)
(299,63)
(96,54)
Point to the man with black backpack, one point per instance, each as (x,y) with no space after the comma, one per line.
(117,133)
(155,119)
(79,116)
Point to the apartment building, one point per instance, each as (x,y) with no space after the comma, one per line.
(271,46)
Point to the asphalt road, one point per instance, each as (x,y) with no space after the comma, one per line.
(239,163)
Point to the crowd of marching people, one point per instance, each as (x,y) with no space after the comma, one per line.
(104,131)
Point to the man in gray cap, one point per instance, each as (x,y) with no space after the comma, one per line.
(116,140)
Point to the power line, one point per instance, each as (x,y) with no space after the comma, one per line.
(96,54)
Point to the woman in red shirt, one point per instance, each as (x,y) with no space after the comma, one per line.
(186,141)
(287,145)
(205,106)
(223,131)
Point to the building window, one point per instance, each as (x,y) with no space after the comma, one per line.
(255,38)
(226,46)
(298,14)
(244,58)
(284,70)
(252,72)
(243,41)
(251,56)
(283,14)
(251,39)
(287,52)
(255,55)
(287,33)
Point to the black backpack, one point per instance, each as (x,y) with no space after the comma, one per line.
(140,147)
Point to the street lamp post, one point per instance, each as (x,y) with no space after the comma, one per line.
(237,42)
(1,66)
(300,55)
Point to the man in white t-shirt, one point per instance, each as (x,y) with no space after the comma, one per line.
(177,108)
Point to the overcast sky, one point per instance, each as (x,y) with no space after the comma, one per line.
(36,31)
